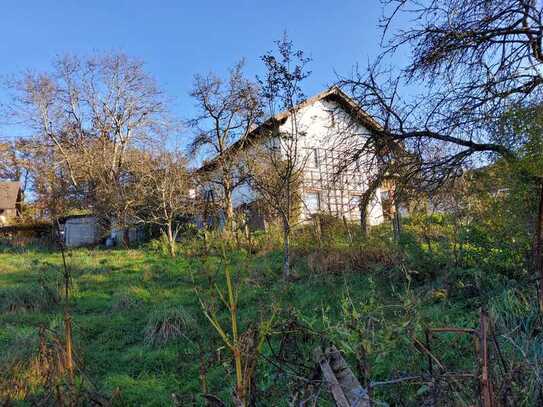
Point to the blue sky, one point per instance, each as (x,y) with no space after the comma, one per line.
(178,39)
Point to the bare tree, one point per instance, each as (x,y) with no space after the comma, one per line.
(275,160)
(227,112)
(91,114)
(166,188)
(385,164)
(472,61)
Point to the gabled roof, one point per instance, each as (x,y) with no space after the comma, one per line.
(333,93)
(9,194)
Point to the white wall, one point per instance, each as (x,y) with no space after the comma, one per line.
(81,231)
(325,126)
(330,133)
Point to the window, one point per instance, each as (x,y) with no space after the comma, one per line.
(312,202)
(313,157)
(209,196)
(355,201)
(274,144)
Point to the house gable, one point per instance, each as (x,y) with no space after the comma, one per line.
(334,98)
(10,201)
(330,126)
(10,195)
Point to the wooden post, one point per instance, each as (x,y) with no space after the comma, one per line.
(487,394)
(431,367)
(68,345)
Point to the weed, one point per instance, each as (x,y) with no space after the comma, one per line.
(125,300)
(168,324)
(33,297)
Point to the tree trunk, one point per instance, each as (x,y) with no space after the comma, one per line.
(286,250)
(171,239)
(397,222)
(364,202)
(126,237)
(318,230)
(228,211)
(538,247)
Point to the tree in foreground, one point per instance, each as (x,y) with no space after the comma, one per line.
(275,160)
(227,112)
(473,61)
(166,190)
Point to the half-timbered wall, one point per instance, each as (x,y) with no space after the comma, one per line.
(324,130)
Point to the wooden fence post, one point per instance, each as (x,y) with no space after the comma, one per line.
(487,393)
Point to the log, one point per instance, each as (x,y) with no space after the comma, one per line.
(344,386)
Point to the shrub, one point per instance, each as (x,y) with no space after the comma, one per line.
(338,260)
(168,324)
(519,331)
(124,300)
(160,245)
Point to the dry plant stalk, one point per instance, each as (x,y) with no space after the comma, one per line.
(67,317)
(481,338)
(244,348)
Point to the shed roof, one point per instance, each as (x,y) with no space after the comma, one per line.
(9,194)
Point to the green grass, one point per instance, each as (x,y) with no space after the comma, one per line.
(123,298)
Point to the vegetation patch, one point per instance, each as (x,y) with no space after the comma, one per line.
(167,324)
(34,297)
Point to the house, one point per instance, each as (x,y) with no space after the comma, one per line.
(325,122)
(11,198)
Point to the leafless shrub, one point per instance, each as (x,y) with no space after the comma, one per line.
(276,161)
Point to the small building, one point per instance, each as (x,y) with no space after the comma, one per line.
(80,230)
(86,230)
(136,234)
(11,198)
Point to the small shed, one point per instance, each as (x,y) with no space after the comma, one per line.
(136,234)
(81,230)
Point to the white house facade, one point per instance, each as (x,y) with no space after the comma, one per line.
(327,130)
